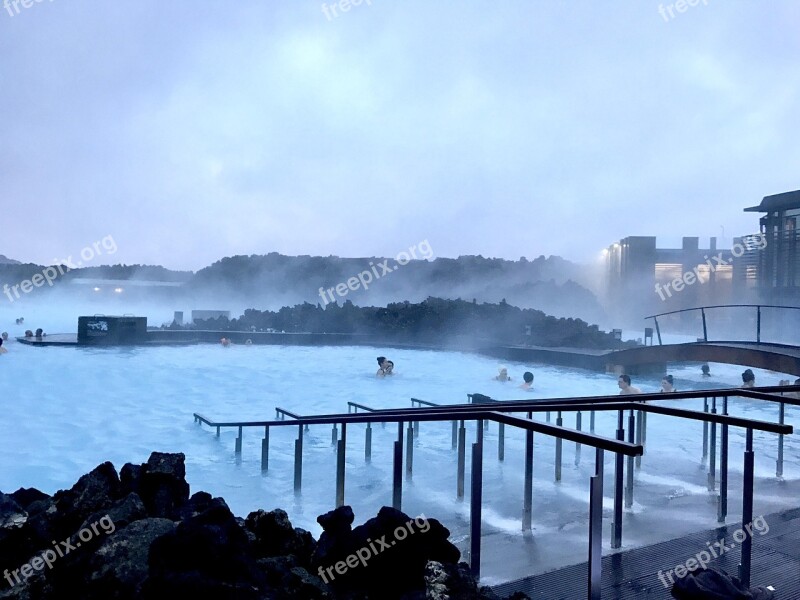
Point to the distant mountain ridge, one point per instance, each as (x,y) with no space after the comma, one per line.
(4,260)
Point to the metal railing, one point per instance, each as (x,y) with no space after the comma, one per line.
(703,309)
(480,413)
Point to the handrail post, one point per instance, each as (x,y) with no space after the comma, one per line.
(559,423)
(616,526)
(591,421)
(712,449)
(758,324)
(397,479)
(705,432)
(476,498)
(596,528)
(577,444)
(747,510)
(501,442)
(639,437)
(658,330)
(298,460)
(334,435)
(629,482)
(238,448)
(722,509)
(368,443)
(340,463)
(462,450)
(265,450)
(454,439)
(409,449)
(705,329)
(527,502)
(782,421)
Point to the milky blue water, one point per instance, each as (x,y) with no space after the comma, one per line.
(65,410)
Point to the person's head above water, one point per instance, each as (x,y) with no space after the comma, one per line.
(705,369)
(381,360)
(748,375)
(668,379)
(624,380)
(389,366)
(527,376)
(5,335)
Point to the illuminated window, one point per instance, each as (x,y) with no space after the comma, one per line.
(668,271)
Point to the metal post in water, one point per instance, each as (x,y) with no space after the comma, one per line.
(340,458)
(548,416)
(705,431)
(782,421)
(368,444)
(501,442)
(577,444)
(238,449)
(409,449)
(591,422)
(559,422)
(265,450)
(747,509)
(462,450)
(619,474)
(298,460)
(454,439)
(639,436)
(217,430)
(629,487)
(334,435)
(596,528)
(397,479)
(712,450)
(476,499)
(527,502)
(722,507)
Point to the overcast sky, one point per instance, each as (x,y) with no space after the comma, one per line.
(193,130)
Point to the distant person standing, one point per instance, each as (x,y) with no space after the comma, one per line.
(527,378)
(625,387)
(748,379)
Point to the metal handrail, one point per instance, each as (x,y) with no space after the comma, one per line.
(702,310)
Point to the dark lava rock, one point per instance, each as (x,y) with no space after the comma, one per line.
(25,496)
(162,484)
(275,536)
(455,581)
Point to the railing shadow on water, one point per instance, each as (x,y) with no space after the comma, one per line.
(483,410)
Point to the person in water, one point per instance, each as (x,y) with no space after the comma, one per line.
(40,333)
(625,387)
(748,379)
(527,377)
(706,371)
(389,370)
(503,375)
(28,333)
(2,350)
(5,336)
(225,342)
(382,364)
(667,384)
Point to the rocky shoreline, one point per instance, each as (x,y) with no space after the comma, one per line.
(138,534)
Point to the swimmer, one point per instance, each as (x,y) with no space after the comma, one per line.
(625,387)
(389,370)
(382,366)
(28,333)
(5,336)
(706,371)
(2,350)
(248,342)
(502,375)
(225,342)
(667,384)
(748,379)
(39,333)
(527,376)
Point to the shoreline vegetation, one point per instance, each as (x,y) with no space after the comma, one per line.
(160,542)
(432,320)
